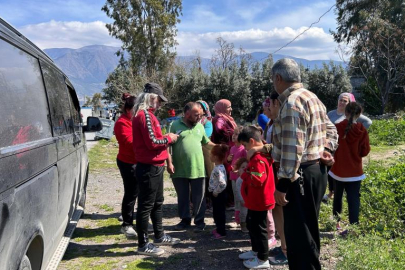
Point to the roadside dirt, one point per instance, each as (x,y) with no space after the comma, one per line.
(98,244)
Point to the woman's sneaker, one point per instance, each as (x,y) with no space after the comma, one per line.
(150,250)
(255,263)
(129,231)
(248,255)
(166,240)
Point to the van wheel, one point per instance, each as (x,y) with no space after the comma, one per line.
(25,263)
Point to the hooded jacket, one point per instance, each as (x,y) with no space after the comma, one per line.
(348,156)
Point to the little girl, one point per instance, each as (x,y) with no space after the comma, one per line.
(240,167)
(217,186)
(347,171)
(237,151)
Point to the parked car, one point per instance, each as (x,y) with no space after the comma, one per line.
(43,155)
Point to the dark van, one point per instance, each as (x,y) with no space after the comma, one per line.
(43,155)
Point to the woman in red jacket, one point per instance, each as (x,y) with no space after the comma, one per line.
(150,148)
(126,161)
(348,167)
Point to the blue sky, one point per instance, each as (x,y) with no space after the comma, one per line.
(256,25)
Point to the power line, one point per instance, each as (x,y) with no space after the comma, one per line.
(300,34)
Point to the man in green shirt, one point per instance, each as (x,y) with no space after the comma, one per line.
(186,166)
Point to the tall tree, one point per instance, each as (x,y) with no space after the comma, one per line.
(375,31)
(147,29)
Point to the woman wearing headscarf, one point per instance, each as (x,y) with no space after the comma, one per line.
(206,121)
(223,128)
(337,116)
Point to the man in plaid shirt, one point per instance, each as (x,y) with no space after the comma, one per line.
(304,139)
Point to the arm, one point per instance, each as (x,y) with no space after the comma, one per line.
(365,121)
(123,133)
(209,145)
(256,173)
(331,136)
(149,136)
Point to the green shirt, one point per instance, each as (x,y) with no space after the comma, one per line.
(187,155)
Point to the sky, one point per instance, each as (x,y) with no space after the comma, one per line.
(254,25)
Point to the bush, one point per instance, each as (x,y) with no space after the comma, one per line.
(387,132)
(382,210)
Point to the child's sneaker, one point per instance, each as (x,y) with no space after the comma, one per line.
(248,255)
(272,242)
(150,250)
(166,240)
(255,263)
(243,227)
(279,259)
(218,236)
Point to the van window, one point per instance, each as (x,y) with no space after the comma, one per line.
(62,121)
(23,105)
(75,108)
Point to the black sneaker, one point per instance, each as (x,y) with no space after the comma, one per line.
(199,228)
(181,226)
(166,240)
(150,250)
(280,259)
(275,251)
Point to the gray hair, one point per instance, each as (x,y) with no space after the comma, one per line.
(144,102)
(288,69)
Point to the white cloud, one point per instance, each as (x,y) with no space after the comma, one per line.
(313,44)
(74,35)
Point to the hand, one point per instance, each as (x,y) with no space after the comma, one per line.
(170,168)
(253,150)
(214,194)
(173,137)
(230,157)
(327,158)
(280,198)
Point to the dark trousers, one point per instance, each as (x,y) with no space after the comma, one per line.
(331,182)
(257,226)
(301,218)
(218,212)
(197,186)
(150,201)
(130,192)
(353,199)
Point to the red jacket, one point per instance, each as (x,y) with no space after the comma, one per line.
(123,133)
(149,144)
(348,156)
(258,183)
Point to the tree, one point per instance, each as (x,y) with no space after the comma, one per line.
(375,31)
(147,30)
(96,102)
(328,83)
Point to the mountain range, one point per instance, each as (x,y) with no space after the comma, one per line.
(88,67)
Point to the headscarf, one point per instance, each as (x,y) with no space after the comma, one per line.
(266,102)
(220,112)
(352,98)
(207,114)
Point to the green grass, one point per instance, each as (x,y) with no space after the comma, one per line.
(371,252)
(106,207)
(106,229)
(103,155)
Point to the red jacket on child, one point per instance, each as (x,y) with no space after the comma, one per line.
(149,143)
(258,183)
(348,156)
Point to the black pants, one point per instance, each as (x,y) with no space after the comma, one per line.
(353,199)
(182,186)
(257,226)
(301,218)
(130,192)
(218,211)
(150,201)
(331,182)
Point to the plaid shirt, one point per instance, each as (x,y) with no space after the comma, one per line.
(301,131)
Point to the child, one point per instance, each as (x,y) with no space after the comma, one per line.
(217,186)
(240,167)
(237,151)
(348,169)
(258,193)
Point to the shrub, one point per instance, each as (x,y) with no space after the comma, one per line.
(387,132)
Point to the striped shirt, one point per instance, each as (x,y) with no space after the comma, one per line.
(301,131)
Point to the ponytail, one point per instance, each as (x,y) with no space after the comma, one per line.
(353,109)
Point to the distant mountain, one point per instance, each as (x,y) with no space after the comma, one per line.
(88,67)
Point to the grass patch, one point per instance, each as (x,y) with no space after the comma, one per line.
(371,252)
(144,264)
(106,229)
(92,264)
(103,155)
(105,207)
